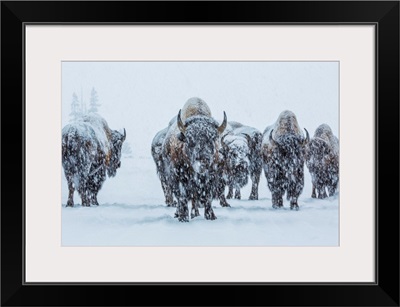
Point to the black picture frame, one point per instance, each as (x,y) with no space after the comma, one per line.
(383,14)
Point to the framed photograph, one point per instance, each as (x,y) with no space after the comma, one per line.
(247,146)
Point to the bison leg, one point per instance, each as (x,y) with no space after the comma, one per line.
(222,201)
(195,209)
(221,196)
(164,187)
(219,192)
(321,192)
(208,211)
(92,193)
(94,187)
(277,200)
(313,195)
(94,183)
(182,211)
(255,178)
(85,199)
(93,199)
(237,194)
(84,193)
(332,187)
(319,184)
(293,192)
(331,190)
(293,204)
(169,198)
(70,202)
(230,192)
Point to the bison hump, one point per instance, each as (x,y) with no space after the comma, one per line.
(235,125)
(325,133)
(195,106)
(92,129)
(287,123)
(250,131)
(159,137)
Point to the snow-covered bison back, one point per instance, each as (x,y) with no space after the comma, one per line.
(283,151)
(322,160)
(90,150)
(191,148)
(242,157)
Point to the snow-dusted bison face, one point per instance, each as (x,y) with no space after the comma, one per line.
(236,157)
(290,150)
(117,140)
(200,135)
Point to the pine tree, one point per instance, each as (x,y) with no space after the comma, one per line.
(93,104)
(126,150)
(75,108)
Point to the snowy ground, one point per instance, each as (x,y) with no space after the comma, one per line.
(132,213)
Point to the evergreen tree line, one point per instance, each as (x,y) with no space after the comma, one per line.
(78,108)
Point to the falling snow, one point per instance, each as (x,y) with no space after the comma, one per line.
(133,208)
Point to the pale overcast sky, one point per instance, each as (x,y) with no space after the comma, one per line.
(143,96)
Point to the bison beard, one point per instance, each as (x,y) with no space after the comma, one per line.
(284,169)
(89,151)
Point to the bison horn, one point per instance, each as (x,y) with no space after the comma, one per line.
(223,125)
(271,140)
(123,139)
(248,138)
(180,123)
(307,140)
(223,138)
(223,142)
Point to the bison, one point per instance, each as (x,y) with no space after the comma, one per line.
(90,150)
(191,152)
(159,160)
(236,162)
(242,157)
(162,167)
(283,152)
(322,160)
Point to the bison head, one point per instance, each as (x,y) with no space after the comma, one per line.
(236,156)
(116,141)
(290,150)
(200,135)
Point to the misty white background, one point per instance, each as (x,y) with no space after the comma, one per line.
(143,96)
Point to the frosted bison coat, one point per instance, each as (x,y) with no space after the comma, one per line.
(242,158)
(90,150)
(322,160)
(283,151)
(160,161)
(191,148)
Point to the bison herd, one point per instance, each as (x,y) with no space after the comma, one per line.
(197,157)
